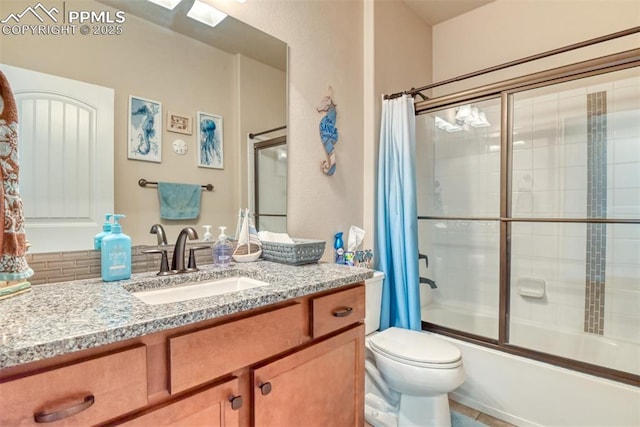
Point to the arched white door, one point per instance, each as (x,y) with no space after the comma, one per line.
(66,158)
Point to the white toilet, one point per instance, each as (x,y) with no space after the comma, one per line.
(408,373)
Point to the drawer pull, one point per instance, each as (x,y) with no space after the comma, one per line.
(236,402)
(49,417)
(343,313)
(265,388)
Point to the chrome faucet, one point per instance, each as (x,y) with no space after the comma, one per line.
(158,230)
(177,263)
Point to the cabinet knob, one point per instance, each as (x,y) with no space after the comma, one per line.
(49,417)
(236,402)
(343,313)
(265,388)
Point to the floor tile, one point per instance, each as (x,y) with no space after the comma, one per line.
(464,410)
(492,421)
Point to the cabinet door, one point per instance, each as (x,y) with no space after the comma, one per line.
(215,406)
(320,385)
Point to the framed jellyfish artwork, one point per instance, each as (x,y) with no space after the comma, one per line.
(145,130)
(210,141)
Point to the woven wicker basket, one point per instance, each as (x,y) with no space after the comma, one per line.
(302,251)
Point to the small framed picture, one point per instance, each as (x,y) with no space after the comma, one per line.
(179,123)
(210,141)
(145,130)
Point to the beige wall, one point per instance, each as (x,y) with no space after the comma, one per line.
(400,43)
(506,30)
(362,49)
(263,106)
(325,41)
(186,76)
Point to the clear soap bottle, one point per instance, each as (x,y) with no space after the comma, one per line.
(222,250)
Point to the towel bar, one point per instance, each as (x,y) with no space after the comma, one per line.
(143,183)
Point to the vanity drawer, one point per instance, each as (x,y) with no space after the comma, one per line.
(83,393)
(201,356)
(337,310)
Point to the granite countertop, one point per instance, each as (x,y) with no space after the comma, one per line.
(61,318)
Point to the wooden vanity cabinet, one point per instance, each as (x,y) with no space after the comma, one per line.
(317,386)
(295,363)
(322,383)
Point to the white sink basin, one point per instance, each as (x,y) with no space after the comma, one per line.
(197,290)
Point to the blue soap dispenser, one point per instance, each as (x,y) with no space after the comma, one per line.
(116,253)
(106,229)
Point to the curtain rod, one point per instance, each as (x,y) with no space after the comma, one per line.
(253,135)
(530,58)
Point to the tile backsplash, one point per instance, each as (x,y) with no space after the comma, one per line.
(56,267)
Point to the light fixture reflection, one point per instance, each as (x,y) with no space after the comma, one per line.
(479,119)
(169,4)
(463,113)
(206,14)
(446,126)
(472,116)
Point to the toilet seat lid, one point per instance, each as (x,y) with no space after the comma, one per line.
(415,347)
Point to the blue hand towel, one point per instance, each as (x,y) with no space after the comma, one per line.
(179,201)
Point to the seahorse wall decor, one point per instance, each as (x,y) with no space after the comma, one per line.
(328,132)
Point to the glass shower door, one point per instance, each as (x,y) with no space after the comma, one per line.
(575,251)
(529,214)
(536,249)
(458,191)
(270,173)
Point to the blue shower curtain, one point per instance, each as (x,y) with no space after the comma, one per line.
(397,217)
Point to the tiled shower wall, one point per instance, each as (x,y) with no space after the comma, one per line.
(595,271)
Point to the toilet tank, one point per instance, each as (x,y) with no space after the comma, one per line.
(373,299)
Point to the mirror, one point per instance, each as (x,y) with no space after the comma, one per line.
(232,71)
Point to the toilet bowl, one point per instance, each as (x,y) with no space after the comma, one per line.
(407,373)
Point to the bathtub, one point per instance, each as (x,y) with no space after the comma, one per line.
(526,392)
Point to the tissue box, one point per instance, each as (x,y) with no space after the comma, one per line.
(301,251)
